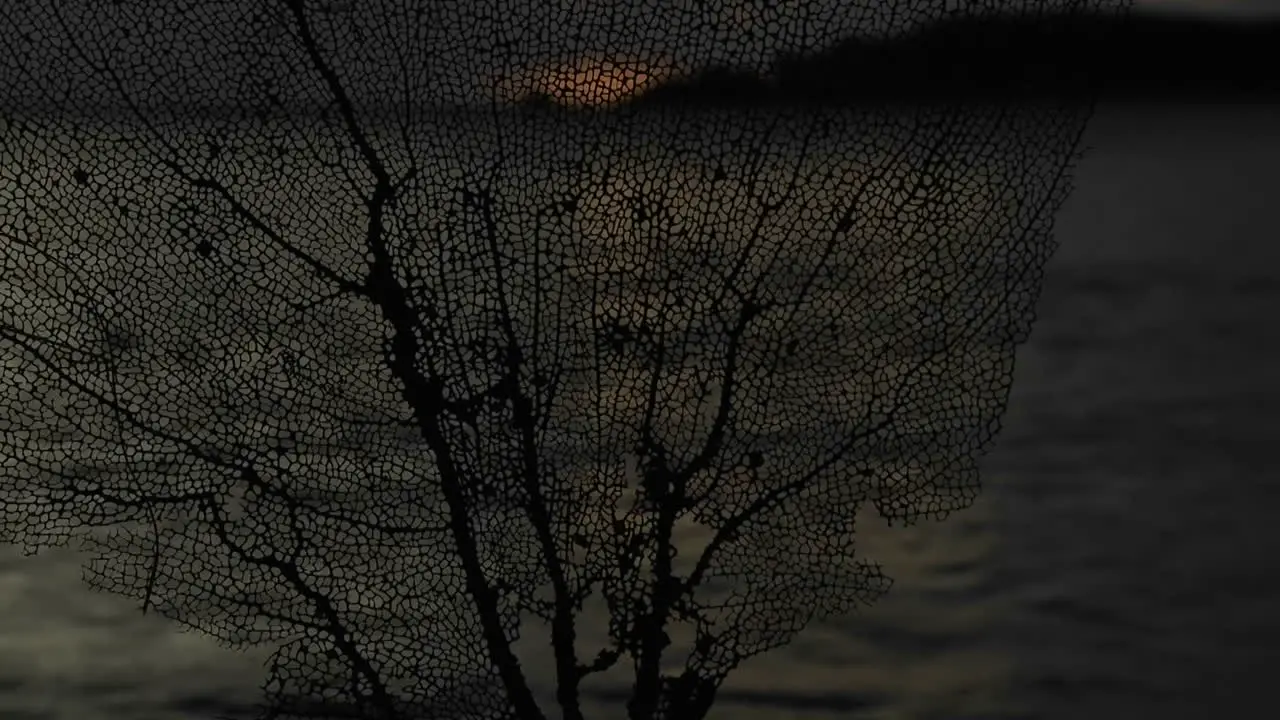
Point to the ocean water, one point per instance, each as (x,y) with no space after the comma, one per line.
(1114,566)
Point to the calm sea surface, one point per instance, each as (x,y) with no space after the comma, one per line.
(1117,565)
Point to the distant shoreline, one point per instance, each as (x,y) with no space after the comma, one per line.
(1007,58)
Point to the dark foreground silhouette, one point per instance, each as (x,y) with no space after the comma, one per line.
(391,389)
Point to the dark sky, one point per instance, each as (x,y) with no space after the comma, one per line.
(454,40)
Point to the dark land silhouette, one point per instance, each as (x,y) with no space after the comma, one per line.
(1141,56)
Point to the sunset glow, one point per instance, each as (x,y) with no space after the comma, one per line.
(589,82)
